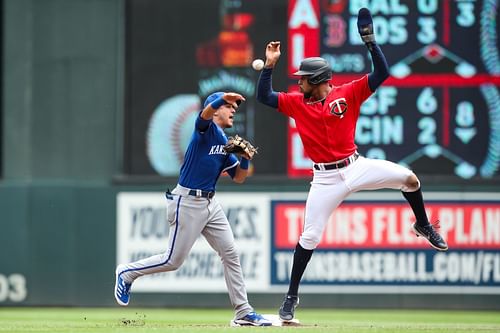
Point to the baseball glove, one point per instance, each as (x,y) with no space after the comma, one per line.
(238,145)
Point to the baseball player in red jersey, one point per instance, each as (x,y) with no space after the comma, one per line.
(325,117)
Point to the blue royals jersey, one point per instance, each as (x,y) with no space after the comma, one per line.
(205,159)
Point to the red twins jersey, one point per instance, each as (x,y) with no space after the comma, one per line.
(327,129)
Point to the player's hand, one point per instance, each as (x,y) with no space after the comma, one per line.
(365,26)
(273,53)
(233,98)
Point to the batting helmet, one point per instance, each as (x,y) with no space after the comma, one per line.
(318,69)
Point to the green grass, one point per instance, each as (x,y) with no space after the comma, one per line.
(107,320)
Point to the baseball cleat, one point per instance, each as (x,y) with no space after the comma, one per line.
(287,309)
(434,238)
(253,319)
(122,288)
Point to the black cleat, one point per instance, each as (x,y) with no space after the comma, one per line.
(431,235)
(287,309)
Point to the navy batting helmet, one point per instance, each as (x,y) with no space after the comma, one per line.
(318,69)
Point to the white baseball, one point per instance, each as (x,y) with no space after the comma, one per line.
(258,64)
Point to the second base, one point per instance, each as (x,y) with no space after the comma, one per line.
(275,319)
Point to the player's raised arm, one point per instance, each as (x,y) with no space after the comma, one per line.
(265,93)
(380,68)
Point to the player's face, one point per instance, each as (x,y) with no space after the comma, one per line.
(226,114)
(304,85)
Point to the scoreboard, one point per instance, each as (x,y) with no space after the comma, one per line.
(439,111)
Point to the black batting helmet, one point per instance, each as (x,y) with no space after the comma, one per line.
(318,69)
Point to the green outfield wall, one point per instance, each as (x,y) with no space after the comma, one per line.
(58,247)
(61,93)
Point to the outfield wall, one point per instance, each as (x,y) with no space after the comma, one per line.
(59,246)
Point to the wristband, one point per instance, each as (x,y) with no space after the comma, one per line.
(370,44)
(244,163)
(218,103)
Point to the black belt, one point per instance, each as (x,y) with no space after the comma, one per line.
(202,194)
(339,165)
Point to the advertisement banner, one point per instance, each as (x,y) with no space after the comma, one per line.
(371,243)
(367,246)
(142,231)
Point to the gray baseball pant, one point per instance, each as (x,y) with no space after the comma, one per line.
(190,216)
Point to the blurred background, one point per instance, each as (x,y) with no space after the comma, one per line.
(98,101)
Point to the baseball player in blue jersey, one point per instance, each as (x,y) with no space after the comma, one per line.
(193,210)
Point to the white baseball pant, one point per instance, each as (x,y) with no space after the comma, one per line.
(330,187)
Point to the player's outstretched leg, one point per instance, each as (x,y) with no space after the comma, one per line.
(422,227)
(428,232)
(287,309)
(122,288)
(253,319)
